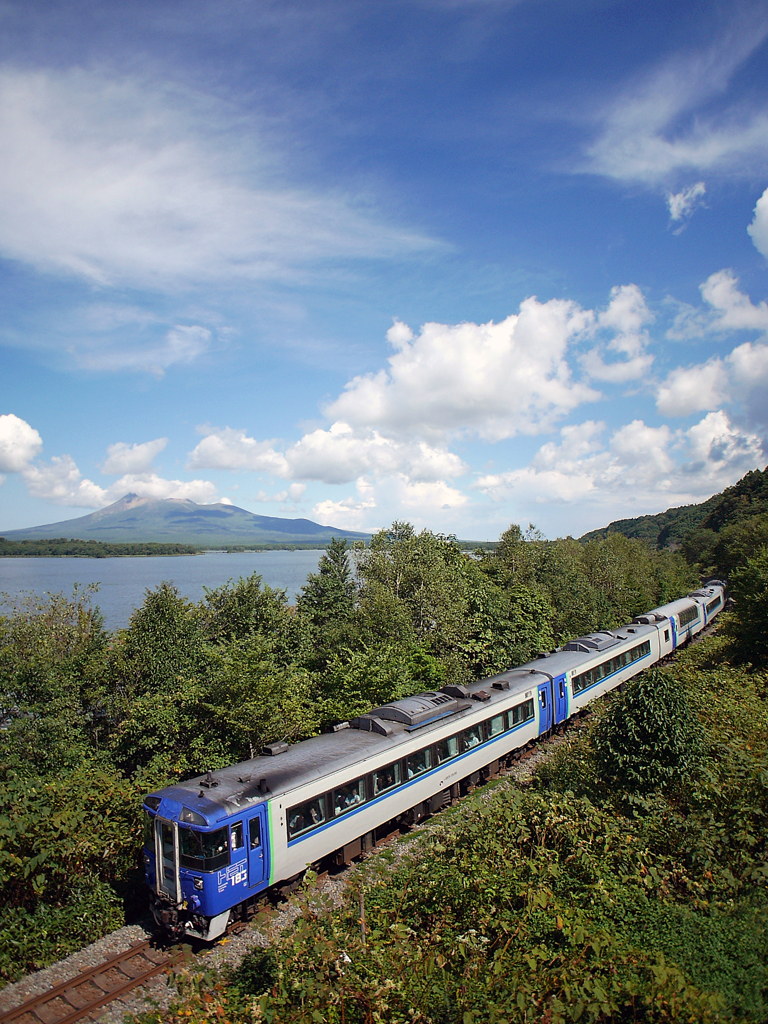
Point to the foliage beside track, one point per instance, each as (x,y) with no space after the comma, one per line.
(90,720)
(593,895)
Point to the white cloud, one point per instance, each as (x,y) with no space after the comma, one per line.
(493,379)
(729,310)
(227,448)
(693,389)
(132,458)
(181,344)
(640,468)
(19,443)
(349,513)
(626,315)
(739,378)
(61,482)
(149,485)
(126,181)
(682,204)
(294,493)
(657,129)
(758,229)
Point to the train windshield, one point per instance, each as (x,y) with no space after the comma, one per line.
(149,835)
(203,851)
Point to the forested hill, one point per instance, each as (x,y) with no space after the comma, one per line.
(744,500)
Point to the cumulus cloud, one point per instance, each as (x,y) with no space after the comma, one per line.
(683,204)
(729,310)
(495,379)
(124,181)
(132,458)
(739,378)
(758,229)
(658,128)
(638,468)
(61,482)
(625,318)
(228,448)
(19,443)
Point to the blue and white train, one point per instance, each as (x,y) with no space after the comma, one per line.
(214,844)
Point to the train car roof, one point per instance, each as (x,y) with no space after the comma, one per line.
(226,790)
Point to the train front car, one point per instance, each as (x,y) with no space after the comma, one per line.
(206,850)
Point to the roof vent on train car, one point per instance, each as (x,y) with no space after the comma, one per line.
(501,684)
(371,723)
(335,726)
(594,642)
(209,782)
(273,749)
(544,654)
(648,619)
(263,787)
(451,690)
(421,708)
(481,695)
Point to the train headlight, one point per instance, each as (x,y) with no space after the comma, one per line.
(147,860)
(198,883)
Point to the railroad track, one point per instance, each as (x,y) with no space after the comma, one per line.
(93,988)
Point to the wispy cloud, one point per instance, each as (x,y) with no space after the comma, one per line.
(125,181)
(679,118)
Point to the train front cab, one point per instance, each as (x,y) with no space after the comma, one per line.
(198,872)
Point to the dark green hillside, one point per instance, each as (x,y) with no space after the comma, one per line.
(745,499)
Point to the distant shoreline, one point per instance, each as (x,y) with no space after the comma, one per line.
(62,548)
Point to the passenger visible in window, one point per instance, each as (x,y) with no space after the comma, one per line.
(236,836)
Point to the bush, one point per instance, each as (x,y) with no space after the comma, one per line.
(648,738)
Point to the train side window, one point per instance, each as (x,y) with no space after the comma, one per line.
(254,833)
(386,778)
(522,713)
(349,796)
(543,698)
(306,816)
(236,835)
(446,749)
(472,737)
(495,726)
(417,763)
(666,636)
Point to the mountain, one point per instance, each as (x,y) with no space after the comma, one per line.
(745,499)
(177,520)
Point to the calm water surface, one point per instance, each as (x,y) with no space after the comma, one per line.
(123,581)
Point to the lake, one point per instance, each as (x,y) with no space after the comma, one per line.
(123,581)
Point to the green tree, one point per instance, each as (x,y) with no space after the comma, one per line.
(749,586)
(52,683)
(648,738)
(328,596)
(163,643)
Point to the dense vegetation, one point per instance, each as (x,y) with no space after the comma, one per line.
(628,884)
(695,525)
(92,720)
(61,547)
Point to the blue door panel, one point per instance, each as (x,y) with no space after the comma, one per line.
(545,707)
(258,848)
(561,699)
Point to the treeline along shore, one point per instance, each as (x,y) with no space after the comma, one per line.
(628,884)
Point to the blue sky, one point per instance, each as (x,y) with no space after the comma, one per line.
(461,262)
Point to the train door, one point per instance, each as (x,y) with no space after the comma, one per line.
(674,632)
(561,699)
(258,868)
(167,858)
(545,708)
